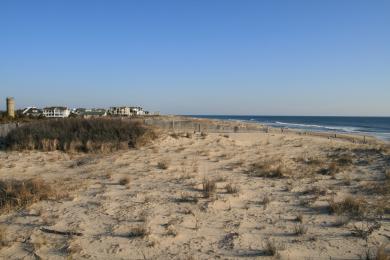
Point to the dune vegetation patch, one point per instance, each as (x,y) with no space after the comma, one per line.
(79,135)
(267,169)
(16,194)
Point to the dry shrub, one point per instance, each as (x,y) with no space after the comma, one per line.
(208,187)
(331,169)
(364,230)
(355,207)
(267,169)
(309,160)
(381,253)
(163,165)
(124,181)
(187,198)
(15,194)
(79,135)
(315,190)
(387,175)
(228,241)
(376,254)
(174,135)
(171,231)
(231,188)
(300,229)
(345,160)
(381,187)
(265,201)
(139,231)
(271,247)
(3,236)
(299,218)
(83,161)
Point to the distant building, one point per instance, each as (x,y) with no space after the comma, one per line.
(137,111)
(56,112)
(92,112)
(32,111)
(120,111)
(127,111)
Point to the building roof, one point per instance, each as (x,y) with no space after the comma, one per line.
(31,110)
(92,111)
(58,108)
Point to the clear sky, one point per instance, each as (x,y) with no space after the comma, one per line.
(199,57)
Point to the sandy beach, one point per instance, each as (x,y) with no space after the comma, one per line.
(205,196)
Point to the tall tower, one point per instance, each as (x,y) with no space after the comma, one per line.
(10,106)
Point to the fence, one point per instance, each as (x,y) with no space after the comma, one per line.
(204,126)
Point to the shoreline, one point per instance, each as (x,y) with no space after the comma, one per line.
(304,127)
(258,126)
(353,137)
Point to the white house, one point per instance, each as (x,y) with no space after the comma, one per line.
(56,112)
(120,111)
(90,112)
(137,111)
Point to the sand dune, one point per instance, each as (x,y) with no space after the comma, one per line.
(275,195)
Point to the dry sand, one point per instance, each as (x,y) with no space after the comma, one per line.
(163,213)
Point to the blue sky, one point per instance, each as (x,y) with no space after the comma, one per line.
(199,57)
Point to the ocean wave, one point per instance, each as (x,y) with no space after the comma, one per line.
(336,128)
(299,125)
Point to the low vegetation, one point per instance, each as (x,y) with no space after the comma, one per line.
(79,135)
(15,194)
(139,231)
(352,206)
(231,188)
(187,198)
(300,229)
(208,187)
(267,169)
(376,254)
(364,230)
(124,181)
(272,248)
(163,165)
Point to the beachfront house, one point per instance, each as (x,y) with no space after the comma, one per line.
(137,111)
(120,111)
(90,112)
(56,112)
(32,111)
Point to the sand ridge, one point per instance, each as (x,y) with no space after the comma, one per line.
(165,213)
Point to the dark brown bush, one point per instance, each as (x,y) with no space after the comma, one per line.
(80,135)
(124,181)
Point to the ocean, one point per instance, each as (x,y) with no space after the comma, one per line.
(374,126)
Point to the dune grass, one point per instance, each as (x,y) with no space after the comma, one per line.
(79,135)
(15,194)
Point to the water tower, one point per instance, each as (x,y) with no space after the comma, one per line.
(10,106)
